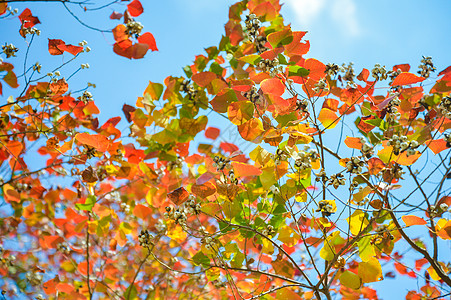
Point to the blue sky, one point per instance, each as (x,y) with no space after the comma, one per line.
(340,31)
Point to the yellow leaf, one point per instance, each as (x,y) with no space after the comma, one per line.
(175,232)
(328,118)
(357,221)
(302,197)
(268,247)
(260,155)
(434,274)
(350,280)
(328,250)
(288,236)
(370,271)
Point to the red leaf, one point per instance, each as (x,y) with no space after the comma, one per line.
(141,211)
(413,220)
(115,15)
(74,50)
(27,19)
(64,287)
(420,263)
(119,33)
(139,50)
(127,109)
(53,47)
(402,67)
(135,8)
(123,48)
(52,241)
(228,147)
(447,70)
(147,38)
(99,142)
(178,196)
(241,169)
(212,133)
(406,78)
(272,86)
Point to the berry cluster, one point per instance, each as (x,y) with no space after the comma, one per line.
(221,163)
(145,239)
(396,171)
(426,67)
(31,30)
(379,72)
(180,215)
(253,25)
(269,231)
(355,165)
(367,150)
(270,66)
(63,248)
(302,105)
(401,144)
(383,235)
(305,158)
(86,97)
(252,95)
(9,50)
(438,210)
(187,87)
(332,69)
(209,242)
(321,86)
(448,139)
(337,179)
(445,107)
(35,279)
(326,208)
(349,74)
(175,164)
(392,109)
(133,28)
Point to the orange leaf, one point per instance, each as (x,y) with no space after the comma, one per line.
(353,142)
(251,130)
(74,50)
(375,165)
(119,33)
(437,146)
(316,69)
(413,220)
(141,211)
(135,8)
(65,287)
(97,141)
(53,47)
(240,112)
(328,118)
(406,78)
(212,133)
(83,267)
(203,190)
(204,78)
(14,148)
(27,19)
(178,196)
(148,38)
(242,170)
(59,87)
(52,241)
(50,286)
(272,86)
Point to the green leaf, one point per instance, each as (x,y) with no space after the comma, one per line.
(252,59)
(366,249)
(131,292)
(201,259)
(298,71)
(88,205)
(188,71)
(280,38)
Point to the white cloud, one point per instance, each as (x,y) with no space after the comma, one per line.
(342,13)
(306,11)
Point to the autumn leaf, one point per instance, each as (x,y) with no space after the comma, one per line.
(406,78)
(148,39)
(353,142)
(242,170)
(272,86)
(135,8)
(413,220)
(328,118)
(178,196)
(97,141)
(212,133)
(53,46)
(142,211)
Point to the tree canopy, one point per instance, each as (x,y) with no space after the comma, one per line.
(335,181)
